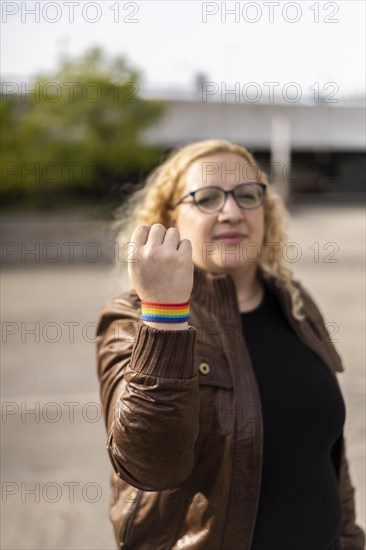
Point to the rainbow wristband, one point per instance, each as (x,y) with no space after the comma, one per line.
(165,313)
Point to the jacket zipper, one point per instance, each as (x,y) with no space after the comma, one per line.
(259,481)
(257,496)
(261,445)
(126,527)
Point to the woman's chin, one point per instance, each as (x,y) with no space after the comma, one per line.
(232,266)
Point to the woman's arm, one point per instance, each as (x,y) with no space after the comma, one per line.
(150,397)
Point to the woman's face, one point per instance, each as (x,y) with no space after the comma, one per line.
(215,254)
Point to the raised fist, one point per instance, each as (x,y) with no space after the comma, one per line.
(164,269)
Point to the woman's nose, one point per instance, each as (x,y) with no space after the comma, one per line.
(231,210)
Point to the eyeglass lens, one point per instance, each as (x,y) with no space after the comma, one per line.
(211,200)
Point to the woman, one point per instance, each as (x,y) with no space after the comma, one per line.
(223,411)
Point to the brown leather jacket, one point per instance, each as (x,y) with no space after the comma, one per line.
(179,443)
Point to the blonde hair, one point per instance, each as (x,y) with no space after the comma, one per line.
(165,185)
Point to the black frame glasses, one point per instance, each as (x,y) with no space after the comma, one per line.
(225,194)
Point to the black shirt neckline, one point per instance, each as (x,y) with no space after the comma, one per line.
(259,307)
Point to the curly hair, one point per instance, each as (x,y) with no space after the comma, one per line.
(165,185)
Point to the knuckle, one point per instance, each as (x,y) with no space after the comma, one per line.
(187,242)
(150,252)
(165,251)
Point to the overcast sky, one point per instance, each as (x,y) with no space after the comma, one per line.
(170,41)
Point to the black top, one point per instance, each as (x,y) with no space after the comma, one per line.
(303,416)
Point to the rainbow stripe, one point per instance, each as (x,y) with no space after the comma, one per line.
(165,313)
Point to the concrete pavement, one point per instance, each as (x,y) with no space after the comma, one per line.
(55,469)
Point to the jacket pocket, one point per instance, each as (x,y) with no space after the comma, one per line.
(216,393)
(213,368)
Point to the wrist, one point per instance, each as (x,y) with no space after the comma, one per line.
(167,326)
(165,313)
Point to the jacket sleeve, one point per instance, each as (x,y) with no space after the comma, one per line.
(352,537)
(149,392)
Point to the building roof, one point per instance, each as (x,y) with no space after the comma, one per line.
(338,126)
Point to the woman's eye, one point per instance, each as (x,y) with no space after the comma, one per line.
(206,200)
(246,197)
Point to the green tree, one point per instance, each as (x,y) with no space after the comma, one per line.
(79,128)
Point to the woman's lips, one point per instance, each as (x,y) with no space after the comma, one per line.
(230,239)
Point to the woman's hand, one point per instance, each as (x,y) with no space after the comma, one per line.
(164,269)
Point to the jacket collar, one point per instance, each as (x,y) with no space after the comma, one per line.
(217,292)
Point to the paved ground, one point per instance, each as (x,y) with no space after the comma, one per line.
(55,468)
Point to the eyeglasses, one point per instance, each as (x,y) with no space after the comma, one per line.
(212,199)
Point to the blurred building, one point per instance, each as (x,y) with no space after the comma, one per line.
(311,146)
(314,147)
